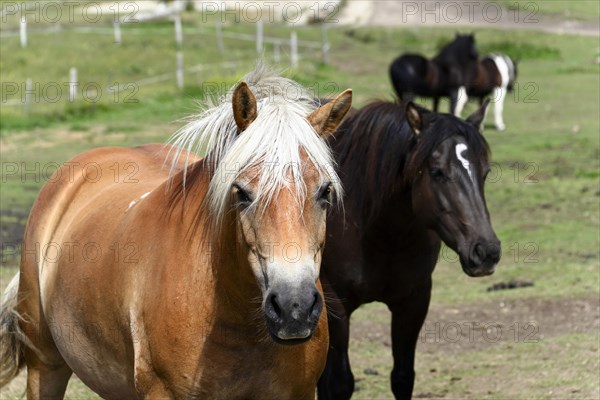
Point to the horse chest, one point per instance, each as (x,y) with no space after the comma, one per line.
(243,373)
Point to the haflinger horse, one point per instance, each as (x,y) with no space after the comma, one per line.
(494,76)
(443,76)
(197,283)
(412,179)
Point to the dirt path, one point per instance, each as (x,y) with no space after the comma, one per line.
(479,326)
(493,349)
(460,14)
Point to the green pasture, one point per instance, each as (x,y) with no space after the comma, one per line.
(583,10)
(543,194)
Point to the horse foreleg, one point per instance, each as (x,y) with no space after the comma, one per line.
(453,98)
(337,381)
(436,103)
(461,100)
(499,95)
(407,319)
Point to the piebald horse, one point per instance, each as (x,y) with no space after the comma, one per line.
(494,76)
(195,281)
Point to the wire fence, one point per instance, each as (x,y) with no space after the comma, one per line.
(290,46)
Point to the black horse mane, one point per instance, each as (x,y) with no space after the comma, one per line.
(379,155)
(456,51)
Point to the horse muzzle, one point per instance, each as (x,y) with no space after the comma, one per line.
(292,315)
(481,258)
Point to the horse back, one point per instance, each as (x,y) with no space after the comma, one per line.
(413,73)
(485,79)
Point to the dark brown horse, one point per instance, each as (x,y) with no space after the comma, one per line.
(443,76)
(412,181)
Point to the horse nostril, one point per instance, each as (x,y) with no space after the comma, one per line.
(479,253)
(315,308)
(275,305)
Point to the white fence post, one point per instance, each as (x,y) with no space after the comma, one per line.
(28,91)
(294,49)
(259,36)
(180,70)
(72,84)
(178,30)
(23,31)
(326,45)
(117,29)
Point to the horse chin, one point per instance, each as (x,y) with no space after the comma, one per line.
(290,341)
(477,270)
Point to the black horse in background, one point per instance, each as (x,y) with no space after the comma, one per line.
(414,75)
(411,181)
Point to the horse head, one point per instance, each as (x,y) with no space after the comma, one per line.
(280,201)
(447,169)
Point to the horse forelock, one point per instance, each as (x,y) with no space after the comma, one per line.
(276,146)
(441,128)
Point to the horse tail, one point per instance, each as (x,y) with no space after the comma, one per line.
(11,337)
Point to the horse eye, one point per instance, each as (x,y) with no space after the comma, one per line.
(436,173)
(325,194)
(243,197)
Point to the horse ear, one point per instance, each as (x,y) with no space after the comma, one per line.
(244,106)
(476,119)
(415,117)
(326,118)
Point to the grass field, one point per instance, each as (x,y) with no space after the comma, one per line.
(584,10)
(543,199)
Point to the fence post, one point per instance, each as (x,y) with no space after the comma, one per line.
(28,87)
(23,31)
(326,45)
(178,30)
(294,49)
(259,36)
(220,36)
(117,29)
(277,51)
(72,84)
(180,70)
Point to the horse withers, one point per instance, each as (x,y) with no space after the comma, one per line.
(413,179)
(179,284)
(443,76)
(495,76)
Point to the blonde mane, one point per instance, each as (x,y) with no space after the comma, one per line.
(273,144)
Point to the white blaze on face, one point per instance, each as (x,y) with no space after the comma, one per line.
(460,148)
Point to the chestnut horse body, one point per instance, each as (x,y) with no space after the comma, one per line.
(155,283)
